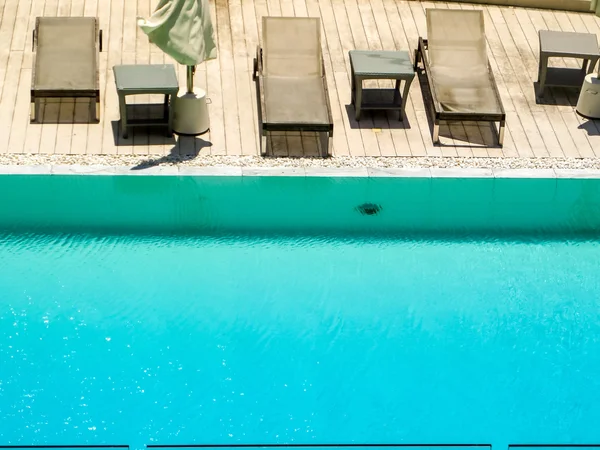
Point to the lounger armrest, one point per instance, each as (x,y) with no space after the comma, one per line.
(328,103)
(422,50)
(257,69)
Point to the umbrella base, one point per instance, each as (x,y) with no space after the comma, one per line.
(588,104)
(190,112)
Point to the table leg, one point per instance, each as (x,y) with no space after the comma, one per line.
(352,88)
(123,111)
(396,92)
(592,65)
(407,84)
(584,66)
(543,70)
(358,97)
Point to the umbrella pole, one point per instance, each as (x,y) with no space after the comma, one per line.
(190,79)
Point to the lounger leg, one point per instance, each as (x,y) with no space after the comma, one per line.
(436,131)
(357,97)
(325,144)
(33,116)
(407,84)
(501,133)
(263,143)
(94,109)
(543,70)
(123,111)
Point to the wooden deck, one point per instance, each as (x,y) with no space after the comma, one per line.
(552,129)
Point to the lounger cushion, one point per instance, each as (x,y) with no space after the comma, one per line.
(66,54)
(465,91)
(458,61)
(295,100)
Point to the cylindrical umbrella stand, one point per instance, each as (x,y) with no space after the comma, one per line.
(190,109)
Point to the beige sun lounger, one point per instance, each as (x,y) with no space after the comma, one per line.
(290,76)
(66,61)
(458,71)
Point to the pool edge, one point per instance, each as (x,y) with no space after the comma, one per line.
(359,172)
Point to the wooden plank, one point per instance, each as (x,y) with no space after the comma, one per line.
(20,119)
(77,8)
(110,131)
(274,7)
(228,81)
(333,58)
(406,37)
(49,126)
(81,118)
(365,125)
(9,96)
(250,30)
(347,134)
(339,64)
(527,139)
(20,28)
(287,8)
(37,9)
(591,24)
(158,142)
(555,134)
(130,12)
(203,143)
(334,46)
(488,136)
(246,103)
(300,9)
(64,8)
(419,27)
(90,8)
(214,93)
(6,34)
(64,130)
(530,32)
(51,8)
(399,141)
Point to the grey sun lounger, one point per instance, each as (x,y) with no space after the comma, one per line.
(458,71)
(290,77)
(66,61)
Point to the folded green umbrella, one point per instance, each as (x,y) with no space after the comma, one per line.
(183,30)
(596,7)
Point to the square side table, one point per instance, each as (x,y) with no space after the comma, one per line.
(566,44)
(146,79)
(380,65)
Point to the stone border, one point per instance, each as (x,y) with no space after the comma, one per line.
(291,166)
(360,172)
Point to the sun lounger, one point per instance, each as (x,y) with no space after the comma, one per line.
(66,61)
(290,76)
(457,68)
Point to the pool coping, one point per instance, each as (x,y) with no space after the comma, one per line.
(355,172)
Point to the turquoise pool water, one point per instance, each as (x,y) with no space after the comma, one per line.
(465,336)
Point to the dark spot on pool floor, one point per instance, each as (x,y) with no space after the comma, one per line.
(369,209)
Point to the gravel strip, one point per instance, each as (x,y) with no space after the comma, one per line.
(335,162)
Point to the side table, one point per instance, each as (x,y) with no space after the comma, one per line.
(380,65)
(146,79)
(566,44)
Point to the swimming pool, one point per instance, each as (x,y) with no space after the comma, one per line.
(240,328)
